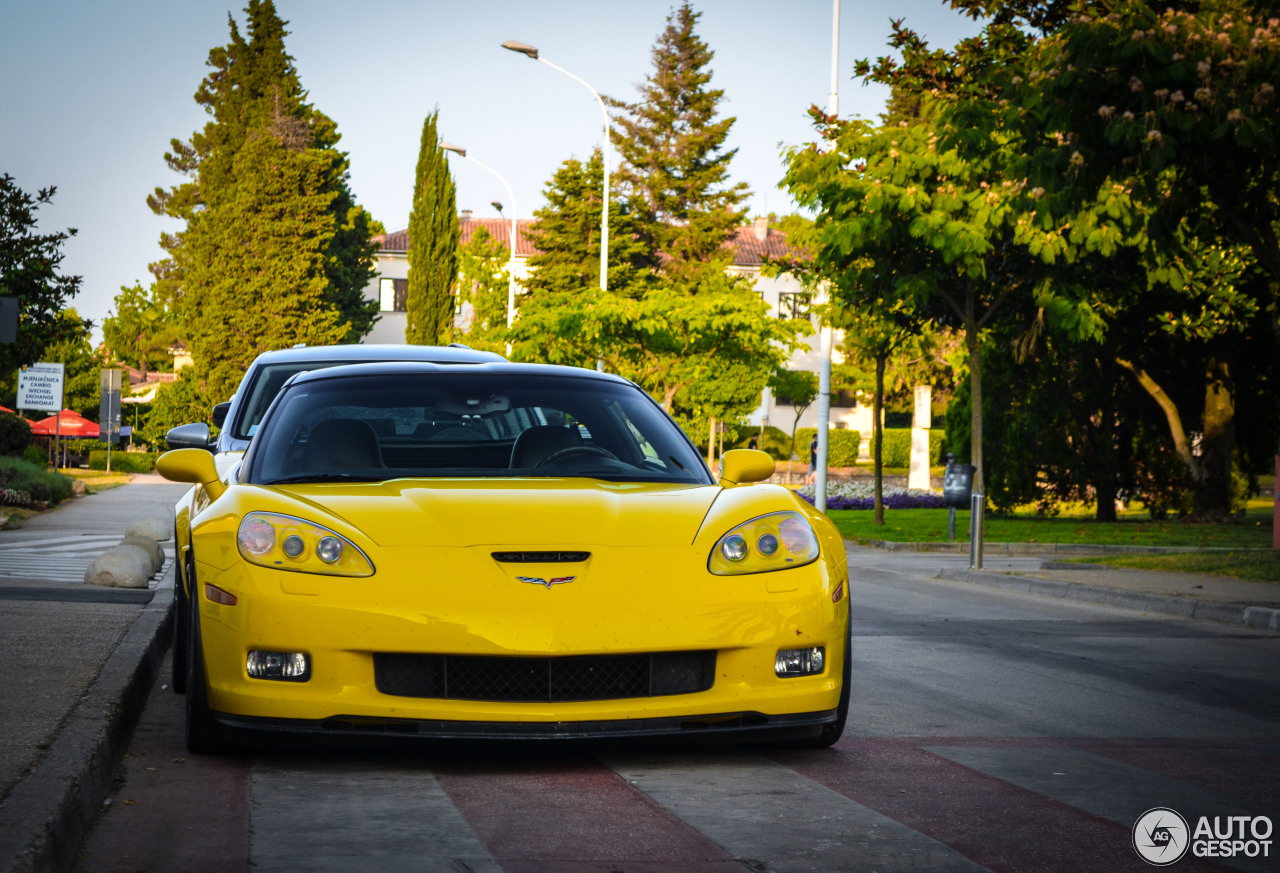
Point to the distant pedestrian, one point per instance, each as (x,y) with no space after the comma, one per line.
(754,442)
(813,461)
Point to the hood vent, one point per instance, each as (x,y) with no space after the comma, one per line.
(541,557)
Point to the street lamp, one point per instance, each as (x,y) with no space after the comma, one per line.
(532,52)
(511,264)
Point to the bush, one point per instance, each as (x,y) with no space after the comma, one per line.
(36,456)
(124,462)
(842,445)
(42,485)
(15,434)
(776,441)
(896,448)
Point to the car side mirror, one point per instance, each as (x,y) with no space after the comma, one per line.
(220,413)
(189,436)
(192,465)
(744,466)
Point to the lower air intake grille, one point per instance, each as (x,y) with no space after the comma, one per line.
(605,677)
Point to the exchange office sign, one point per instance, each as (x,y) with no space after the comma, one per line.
(40,387)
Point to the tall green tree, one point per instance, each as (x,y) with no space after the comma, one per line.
(433,243)
(30,264)
(483,285)
(82,385)
(675,166)
(258,111)
(141,330)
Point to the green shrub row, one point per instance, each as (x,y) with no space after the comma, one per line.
(842,445)
(895,451)
(41,484)
(124,462)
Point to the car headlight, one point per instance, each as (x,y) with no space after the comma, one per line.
(287,543)
(778,541)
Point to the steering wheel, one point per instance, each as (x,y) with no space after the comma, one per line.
(585,451)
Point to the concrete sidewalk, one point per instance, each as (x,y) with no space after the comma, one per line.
(76,664)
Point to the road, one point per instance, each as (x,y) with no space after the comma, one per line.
(990,731)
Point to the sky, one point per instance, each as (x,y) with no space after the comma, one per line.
(91,93)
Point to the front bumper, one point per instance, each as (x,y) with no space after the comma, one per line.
(459,602)
(741,725)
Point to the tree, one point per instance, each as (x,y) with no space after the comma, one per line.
(797,388)
(141,330)
(1167,127)
(675,167)
(29,265)
(263,140)
(433,244)
(483,284)
(83,382)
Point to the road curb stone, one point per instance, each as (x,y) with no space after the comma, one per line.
(1257,617)
(47,814)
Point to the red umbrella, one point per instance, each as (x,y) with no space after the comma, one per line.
(7,409)
(67,423)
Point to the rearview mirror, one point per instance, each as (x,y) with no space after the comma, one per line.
(743,466)
(189,436)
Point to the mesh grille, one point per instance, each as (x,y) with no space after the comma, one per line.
(607,677)
(540,557)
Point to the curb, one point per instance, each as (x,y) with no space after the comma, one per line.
(1078,550)
(48,813)
(1240,615)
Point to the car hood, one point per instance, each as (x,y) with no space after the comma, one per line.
(531,513)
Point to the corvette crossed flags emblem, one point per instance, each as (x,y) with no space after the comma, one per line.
(547,583)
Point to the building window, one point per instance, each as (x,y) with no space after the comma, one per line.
(393,295)
(793,304)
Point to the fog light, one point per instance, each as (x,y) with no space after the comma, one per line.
(800,662)
(283,666)
(293,545)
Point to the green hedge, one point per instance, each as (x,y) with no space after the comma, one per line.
(124,462)
(22,483)
(842,445)
(896,448)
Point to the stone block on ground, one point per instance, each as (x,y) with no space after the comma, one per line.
(122,566)
(158,529)
(153,549)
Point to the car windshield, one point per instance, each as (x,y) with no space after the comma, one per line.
(264,389)
(386,426)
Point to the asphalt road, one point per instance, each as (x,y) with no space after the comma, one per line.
(989,731)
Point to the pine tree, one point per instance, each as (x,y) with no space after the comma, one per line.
(433,243)
(675,170)
(258,106)
(566,237)
(483,283)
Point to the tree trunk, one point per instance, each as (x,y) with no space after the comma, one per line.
(1217,446)
(877,439)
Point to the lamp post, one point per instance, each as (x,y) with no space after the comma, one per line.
(825,332)
(511,263)
(532,52)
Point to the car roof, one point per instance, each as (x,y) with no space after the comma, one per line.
(499,367)
(452,354)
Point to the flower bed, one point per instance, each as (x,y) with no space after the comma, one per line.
(861,495)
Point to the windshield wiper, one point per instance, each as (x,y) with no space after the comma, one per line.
(325,477)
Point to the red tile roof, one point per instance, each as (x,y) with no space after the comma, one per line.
(749,249)
(498,228)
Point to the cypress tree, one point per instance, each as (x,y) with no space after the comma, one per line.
(675,168)
(433,244)
(265,142)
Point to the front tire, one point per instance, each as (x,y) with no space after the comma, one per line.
(181,626)
(204,734)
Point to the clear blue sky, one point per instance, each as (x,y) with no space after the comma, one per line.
(91,94)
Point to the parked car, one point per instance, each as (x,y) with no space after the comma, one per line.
(503,550)
(238,419)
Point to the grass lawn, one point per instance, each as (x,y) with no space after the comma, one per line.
(1258,566)
(1135,529)
(95,480)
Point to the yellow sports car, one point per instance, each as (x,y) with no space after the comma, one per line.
(502,550)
